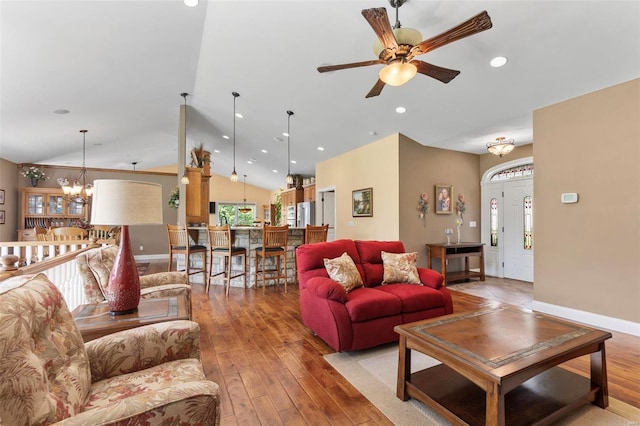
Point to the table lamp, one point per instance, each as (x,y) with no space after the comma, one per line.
(123,203)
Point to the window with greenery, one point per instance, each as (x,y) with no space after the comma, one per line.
(231,213)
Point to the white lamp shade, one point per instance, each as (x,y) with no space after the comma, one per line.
(126,202)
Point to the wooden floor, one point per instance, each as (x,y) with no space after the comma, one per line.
(271,369)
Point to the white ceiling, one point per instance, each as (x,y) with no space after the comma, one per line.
(119,68)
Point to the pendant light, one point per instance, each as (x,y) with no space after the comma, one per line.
(244,208)
(289,175)
(185,179)
(80,191)
(234,175)
(501,146)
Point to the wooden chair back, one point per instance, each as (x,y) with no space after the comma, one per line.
(275,236)
(316,234)
(178,236)
(220,237)
(68,233)
(99,232)
(41,234)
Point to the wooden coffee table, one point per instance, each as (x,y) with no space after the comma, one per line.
(500,366)
(95,320)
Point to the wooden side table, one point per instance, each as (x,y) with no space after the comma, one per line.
(96,321)
(445,251)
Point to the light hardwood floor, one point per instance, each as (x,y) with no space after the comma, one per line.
(271,369)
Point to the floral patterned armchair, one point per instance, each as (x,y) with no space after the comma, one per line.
(146,375)
(95,266)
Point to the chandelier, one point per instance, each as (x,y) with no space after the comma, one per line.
(501,146)
(80,191)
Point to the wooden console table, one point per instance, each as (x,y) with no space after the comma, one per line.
(95,320)
(446,251)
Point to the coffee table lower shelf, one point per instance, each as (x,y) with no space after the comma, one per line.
(541,400)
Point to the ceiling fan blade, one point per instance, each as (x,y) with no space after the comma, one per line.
(379,21)
(376,89)
(328,68)
(445,75)
(477,24)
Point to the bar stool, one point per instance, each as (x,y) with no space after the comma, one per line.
(221,245)
(312,234)
(274,244)
(179,243)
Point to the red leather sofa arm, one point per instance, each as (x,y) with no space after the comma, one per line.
(326,288)
(430,278)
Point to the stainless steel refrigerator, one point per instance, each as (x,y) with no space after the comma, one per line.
(306,213)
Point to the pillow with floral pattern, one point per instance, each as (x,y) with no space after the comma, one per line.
(343,270)
(400,268)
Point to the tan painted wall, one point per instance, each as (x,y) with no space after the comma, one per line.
(399,170)
(9,183)
(374,165)
(588,253)
(421,168)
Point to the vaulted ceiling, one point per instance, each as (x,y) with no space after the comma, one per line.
(119,67)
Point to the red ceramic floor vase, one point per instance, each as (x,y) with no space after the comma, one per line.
(123,293)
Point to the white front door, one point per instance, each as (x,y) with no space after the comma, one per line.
(518,222)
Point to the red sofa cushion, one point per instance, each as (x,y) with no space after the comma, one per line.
(310,258)
(414,297)
(364,304)
(371,258)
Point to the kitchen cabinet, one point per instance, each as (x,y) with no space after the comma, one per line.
(197,203)
(309,192)
(289,200)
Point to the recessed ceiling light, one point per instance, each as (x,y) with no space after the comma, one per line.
(285,134)
(293,161)
(217,151)
(320,148)
(61,111)
(401,110)
(225,137)
(498,61)
(249,162)
(373,133)
(239,115)
(274,171)
(191,3)
(264,151)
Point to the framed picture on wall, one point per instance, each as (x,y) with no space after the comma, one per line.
(1,196)
(362,202)
(1,217)
(443,199)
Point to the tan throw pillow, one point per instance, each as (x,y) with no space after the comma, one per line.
(400,268)
(344,272)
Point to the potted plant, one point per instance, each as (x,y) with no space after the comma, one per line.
(201,158)
(33,173)
(174,198)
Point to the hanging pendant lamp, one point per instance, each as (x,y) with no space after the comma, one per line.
(80,191)
(245,208)
(234,175)
(289,179)
(185,179)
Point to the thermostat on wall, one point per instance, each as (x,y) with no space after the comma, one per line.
(569,197)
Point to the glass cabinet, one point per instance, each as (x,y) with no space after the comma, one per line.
(46,208)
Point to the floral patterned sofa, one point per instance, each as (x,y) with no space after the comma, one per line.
(353,317)
(95,266)
(146,375)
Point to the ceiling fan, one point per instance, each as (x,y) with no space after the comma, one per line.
(399,46)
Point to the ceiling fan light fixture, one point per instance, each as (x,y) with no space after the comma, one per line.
(501,146)
(403,35)
(398,72)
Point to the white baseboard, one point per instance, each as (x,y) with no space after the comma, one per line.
(595,320)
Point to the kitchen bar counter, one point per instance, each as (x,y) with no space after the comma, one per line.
(250,237)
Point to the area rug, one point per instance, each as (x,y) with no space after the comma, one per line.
(374,373)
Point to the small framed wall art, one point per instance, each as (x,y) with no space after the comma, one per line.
(443,199)
(1,217)
(1,196)
(362,202)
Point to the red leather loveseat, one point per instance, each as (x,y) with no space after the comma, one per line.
(365,316)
